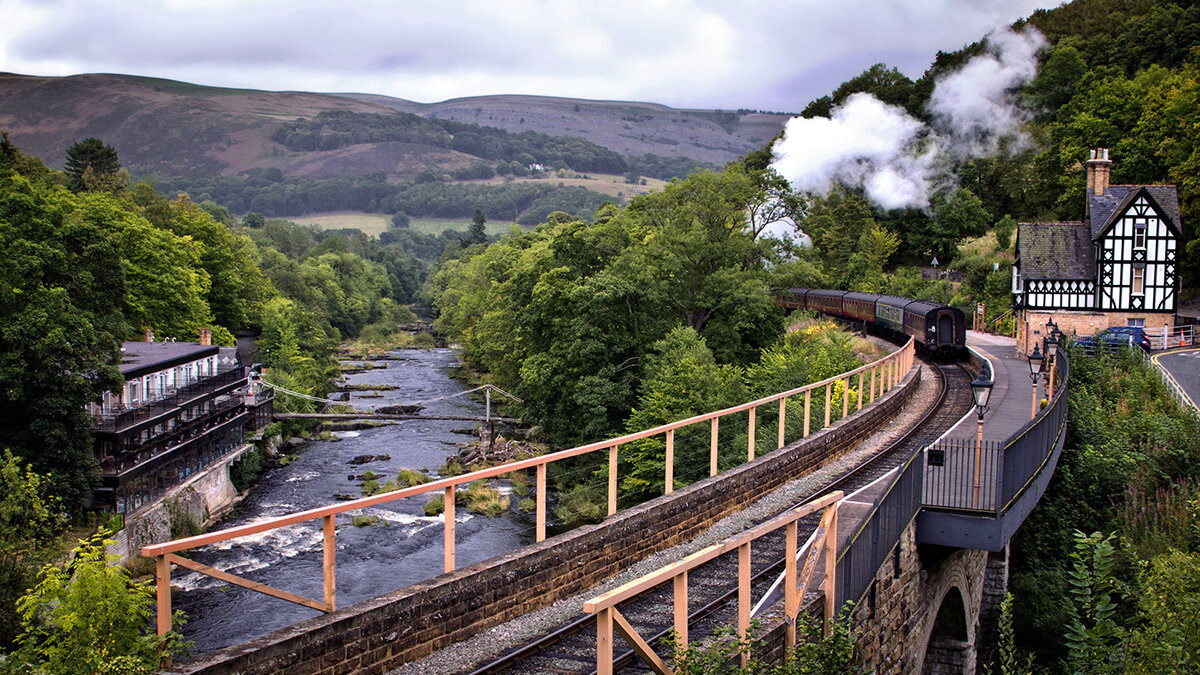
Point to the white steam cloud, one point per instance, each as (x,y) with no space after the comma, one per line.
(895,158)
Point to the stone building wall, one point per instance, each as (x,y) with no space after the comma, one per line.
(1073,323)
(380,634)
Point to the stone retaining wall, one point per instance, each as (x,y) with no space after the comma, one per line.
(383,633)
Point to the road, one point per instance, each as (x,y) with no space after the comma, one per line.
(1184,366)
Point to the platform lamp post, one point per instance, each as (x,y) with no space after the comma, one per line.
(1051,356)
(1035,369)
(981,389)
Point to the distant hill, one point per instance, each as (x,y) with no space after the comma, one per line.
(165,128)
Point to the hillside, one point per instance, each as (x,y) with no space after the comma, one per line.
(166,128)
(628,128)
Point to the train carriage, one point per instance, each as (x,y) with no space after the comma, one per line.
(859,306)
(824,300)
(889,312)
(938,327)
(792,298)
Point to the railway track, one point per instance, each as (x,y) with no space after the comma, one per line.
(571,649)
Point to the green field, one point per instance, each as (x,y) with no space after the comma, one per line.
(375,224)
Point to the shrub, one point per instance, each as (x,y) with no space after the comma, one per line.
(409,478)
(365,521)
(90,618)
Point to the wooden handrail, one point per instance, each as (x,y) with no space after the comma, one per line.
(604,606)
(889,369)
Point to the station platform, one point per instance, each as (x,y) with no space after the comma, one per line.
(1011,403)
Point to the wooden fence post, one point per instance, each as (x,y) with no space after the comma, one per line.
(612,479)
(448,530)
(327,562)
(541,502)
(669,481)
(750,443)
(712,448)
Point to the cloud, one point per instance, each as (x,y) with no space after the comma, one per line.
(771,54)
(898,160)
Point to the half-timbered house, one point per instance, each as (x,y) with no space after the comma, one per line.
(1116,267)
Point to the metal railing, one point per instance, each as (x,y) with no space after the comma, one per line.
(112,422)
(796,580)
(991,476)
(877,535)
(874,380)
(1172,337)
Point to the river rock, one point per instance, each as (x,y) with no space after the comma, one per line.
(365,459)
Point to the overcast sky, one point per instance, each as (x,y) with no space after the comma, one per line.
(759,54)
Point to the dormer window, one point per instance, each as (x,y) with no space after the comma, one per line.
(1139,235)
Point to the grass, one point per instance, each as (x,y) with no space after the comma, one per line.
(365,521)
(375,224)
(435,506)
(485,500)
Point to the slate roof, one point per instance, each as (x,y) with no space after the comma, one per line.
(141,358)
(1056,251)
(1103,207)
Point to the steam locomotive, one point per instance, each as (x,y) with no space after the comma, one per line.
(938,329)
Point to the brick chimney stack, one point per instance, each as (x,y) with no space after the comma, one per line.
(149,335)
(205,336)
(1098,169)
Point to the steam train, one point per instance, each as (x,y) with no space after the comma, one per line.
(938,329)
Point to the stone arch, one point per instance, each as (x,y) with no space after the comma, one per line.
(949,648)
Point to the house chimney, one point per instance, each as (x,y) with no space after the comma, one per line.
(1098,169)
(149,335)
(205,336)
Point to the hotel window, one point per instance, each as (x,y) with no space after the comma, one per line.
(1139,279)
(1139,235)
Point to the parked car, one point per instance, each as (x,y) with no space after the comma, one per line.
(1114,338)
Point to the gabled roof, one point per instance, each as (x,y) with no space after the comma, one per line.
(1116,198)
(1056,251)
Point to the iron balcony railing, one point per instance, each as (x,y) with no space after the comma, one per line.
(112,422)
(131,455)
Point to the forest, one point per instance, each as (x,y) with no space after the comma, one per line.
(271,193)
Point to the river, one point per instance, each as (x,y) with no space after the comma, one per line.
(403,548)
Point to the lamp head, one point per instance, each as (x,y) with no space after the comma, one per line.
(981,390)
(1035,361)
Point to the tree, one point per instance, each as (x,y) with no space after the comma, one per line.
(61,297)
(253,220)
(91,163)
(477,234)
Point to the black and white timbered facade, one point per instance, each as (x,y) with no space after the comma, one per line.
(1118,266)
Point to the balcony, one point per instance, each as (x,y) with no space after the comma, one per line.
(217,384)
(133,455)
